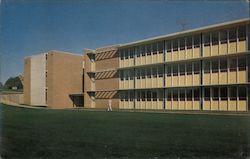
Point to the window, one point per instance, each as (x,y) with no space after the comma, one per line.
(242,93)
(196,67)
(175,95)
(131,96)
(148,95)
(197,41)
(223,36)
(143,96)
(126,53)
(143,73)
(148,72)
(182,44)
(233,64)
(131,74)
(154,95)
(121,55)
(121,75)
(242,63)
(149,49)
(138,74)
(242,33)
(126,96)
(131,53)
(223,65)
(126,72)
(189,94)
(215,93)
(223,93)
(154,69)
(138,96)
(215,66)
(215,38)
(232,35)
(182,69)
(206,66)
(175,70)
(160,47)
(197,94)
(175,45)
(155,48)
(233,93)
(189,41)
(143,50)
(189,68)
(182,95)
(207,94)
(160,71)
(169,71)
(168,44)
(169,96)
(121,96)
(206,39)
(137,51)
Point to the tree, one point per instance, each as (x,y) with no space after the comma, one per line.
(13,82)
(1,85)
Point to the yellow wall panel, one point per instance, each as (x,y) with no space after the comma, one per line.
(131,105)
(160,58)
(207,51)
(175,80)
(175,55)
(242,76)
(121,63)
(126,63)
(181,105)
(242,46)
(143,60)
(138,83)
(196,80)
(126,105)
(148,105)
(168,105)
(131,84)
(232,77)
(242,105)
(196,52)
(126,82)
(131,62)
(148,59)
(206,105)
(232,106)
(160,105)
(206,78)
(154,82)
(148,83)
(182,80)
(215,78)
(215,50)
(223,48)
(189,105)
(189,80)
(138,61)
(160,81)
(196,105)
(223,105)
(175,105)
(121,84)
(137,105)
(189,54)
(169,81)
(143,83)
(215,105)
(169,57)
(143,105)
(154,58)
(223,77)
(154,104)
(182,55)
(232,47)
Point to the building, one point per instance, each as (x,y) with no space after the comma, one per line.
(200,69)
(53,79)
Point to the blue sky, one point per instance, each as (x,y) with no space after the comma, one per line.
(34,26)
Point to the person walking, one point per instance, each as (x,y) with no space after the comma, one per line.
(110,105)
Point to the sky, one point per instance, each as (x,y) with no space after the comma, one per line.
(35,26)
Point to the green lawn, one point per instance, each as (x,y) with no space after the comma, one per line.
(41,133)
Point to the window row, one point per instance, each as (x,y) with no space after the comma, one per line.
(143,95)
(223,36)
(183,95)
(183,68)
(223,65)
(223,93)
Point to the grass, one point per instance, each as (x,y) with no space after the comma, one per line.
(43,133)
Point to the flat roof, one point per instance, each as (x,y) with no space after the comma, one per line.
(185,32)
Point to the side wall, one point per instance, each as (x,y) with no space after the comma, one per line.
(64,78)
(26,86)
